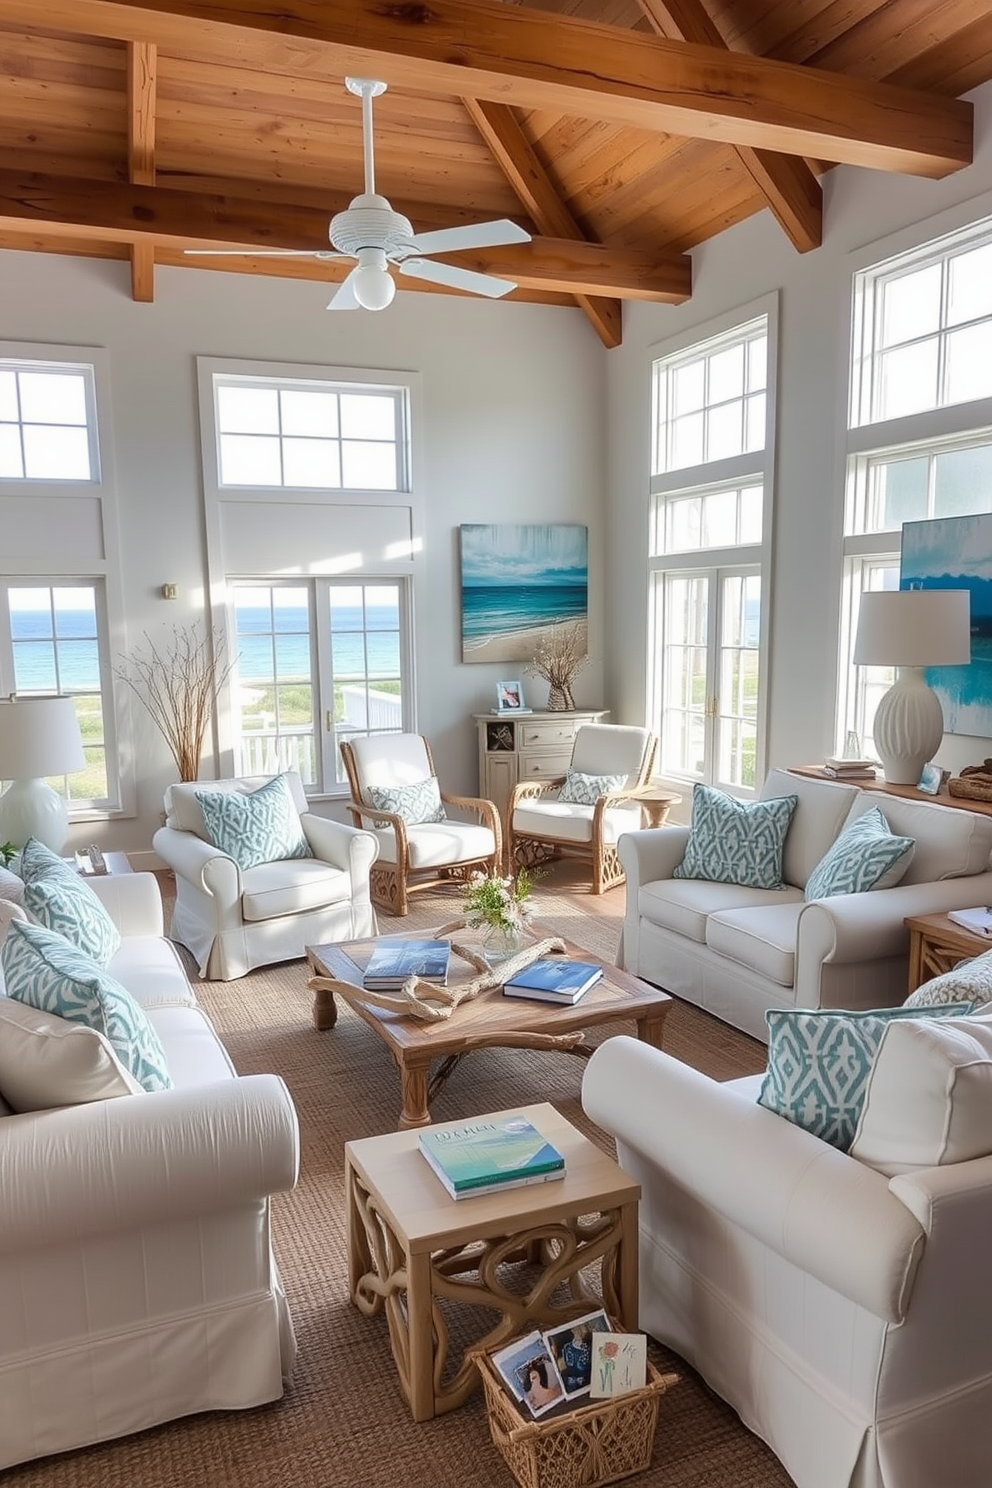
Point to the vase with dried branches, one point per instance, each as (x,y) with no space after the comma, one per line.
(177,682)
(559,656)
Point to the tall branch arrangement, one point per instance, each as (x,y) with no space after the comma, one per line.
(177,682)
(559,657)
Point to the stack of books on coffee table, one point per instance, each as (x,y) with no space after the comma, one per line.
(490,1154)
(554,979)
(393,961)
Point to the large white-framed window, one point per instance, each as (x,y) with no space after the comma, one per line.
(710,525)
(919,436)
(317,663)
(314,524)
(61,614)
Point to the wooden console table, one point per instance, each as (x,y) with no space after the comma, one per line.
(908,792)
(937,943)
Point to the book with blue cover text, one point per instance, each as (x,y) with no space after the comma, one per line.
(554,979)
(393,961)
(490,1153)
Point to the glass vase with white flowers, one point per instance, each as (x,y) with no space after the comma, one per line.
(502,908)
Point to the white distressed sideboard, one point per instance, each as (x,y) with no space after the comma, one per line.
(525,746)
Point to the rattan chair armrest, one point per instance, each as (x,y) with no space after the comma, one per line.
(360,809)
(532,790)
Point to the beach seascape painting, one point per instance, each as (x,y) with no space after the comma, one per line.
(956,553)
(517,581)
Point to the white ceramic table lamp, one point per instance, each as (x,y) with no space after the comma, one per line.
(911,629)
(38,737)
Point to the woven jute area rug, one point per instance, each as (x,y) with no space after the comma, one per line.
(343,1420)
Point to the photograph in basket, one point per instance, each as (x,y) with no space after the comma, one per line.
(528,1372)
(571,1349)
(619,1364)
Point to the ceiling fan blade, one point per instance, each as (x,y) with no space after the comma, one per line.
(344,299)
(472,235)
(454,278)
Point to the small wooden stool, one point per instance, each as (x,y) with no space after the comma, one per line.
(410,1245)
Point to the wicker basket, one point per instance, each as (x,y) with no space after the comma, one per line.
(598,1443)
(970,788)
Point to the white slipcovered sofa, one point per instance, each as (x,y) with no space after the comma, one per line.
(844,1314)
(738,951)
(233,919)
(137,1281)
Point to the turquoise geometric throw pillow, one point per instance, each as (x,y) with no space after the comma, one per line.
(259,826)
(585,790)
(865,856)
(416,803)
(819,1060)
(60,900)
(737,842)
(46,972)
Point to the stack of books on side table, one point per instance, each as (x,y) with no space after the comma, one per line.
(554,979)
(489,1154)
(848,769)
(977,920)
(392,961)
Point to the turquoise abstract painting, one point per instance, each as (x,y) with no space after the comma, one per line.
(517,580)
(956,553)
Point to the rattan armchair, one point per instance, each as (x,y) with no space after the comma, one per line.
(415,853)
(541,825)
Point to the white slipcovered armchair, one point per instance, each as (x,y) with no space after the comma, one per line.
(395,793)
(234,919)
(544,821)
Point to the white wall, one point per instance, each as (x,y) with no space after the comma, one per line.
(733,269)
(513,427)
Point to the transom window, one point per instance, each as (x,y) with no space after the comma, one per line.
(710,404)
(310,435)
(47,422)
(923,330)
(317,662)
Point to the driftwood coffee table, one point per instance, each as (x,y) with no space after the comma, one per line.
(487,1021)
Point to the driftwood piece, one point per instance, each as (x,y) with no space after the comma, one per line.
(431,1003)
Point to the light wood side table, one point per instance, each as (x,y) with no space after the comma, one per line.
(937,944)
(655,806)
(410,1245)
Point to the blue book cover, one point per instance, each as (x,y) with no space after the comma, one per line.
(557,976)
(392,961)
(489,1152)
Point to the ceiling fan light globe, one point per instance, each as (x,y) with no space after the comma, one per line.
(374,287)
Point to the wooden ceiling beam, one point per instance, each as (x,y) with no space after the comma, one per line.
(519,163)
(184,219)
(519,56)
(142,65)
(786,182)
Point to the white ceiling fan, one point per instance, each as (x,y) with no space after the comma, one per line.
(371,232)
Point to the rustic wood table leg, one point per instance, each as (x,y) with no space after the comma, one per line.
(414,1110)
(325,1009)
(627,1262)
(915,959)
(651,1028)
(359,1255)
(420,1337)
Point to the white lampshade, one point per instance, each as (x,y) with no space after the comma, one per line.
(911,629)
(38,737)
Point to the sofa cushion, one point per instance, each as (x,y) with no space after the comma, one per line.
(819,1060)
(929,1096)
(45,971)
(415,803)
(435,844)
(261,826)
(865,856)
(552,817)
(685,905)
(733,841)
(193,1052)
(62,901)
(763,939)
(969,981)
(822,808)
(585,790)
(150,968)
(291,887)
(950,843)
(46,1061)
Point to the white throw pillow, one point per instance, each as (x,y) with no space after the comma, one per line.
(46,1062)
(969,981)
(9,912)
(929,1095)
(11,886)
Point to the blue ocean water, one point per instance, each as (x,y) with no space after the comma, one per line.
(494,609)
(34,651)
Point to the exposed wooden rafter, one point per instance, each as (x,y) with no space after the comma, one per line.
(787,183)
(504,54)
(519,163)
(142,59)
(180,219)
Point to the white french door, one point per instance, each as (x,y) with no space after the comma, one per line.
(707,628)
